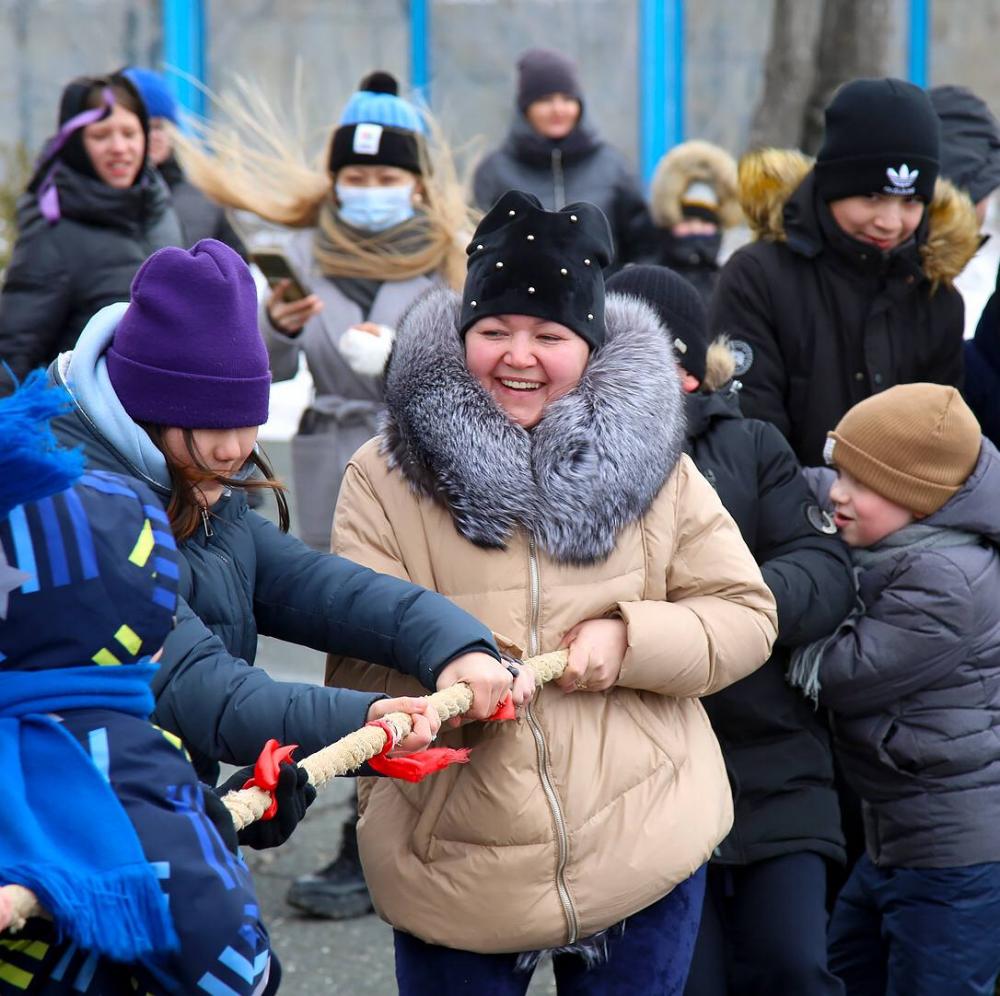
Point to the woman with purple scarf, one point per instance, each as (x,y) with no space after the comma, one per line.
(93,210)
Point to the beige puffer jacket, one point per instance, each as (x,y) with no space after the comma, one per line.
(591,806)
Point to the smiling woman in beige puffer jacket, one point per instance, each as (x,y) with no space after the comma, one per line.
(531,470)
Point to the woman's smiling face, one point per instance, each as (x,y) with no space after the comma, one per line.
(525,363)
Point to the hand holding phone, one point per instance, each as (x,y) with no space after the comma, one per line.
(277,269)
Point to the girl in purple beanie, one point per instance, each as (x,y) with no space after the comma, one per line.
(170,388)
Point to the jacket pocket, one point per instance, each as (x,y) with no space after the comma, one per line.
(662,720)
(937,743)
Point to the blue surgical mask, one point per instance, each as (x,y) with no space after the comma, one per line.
(374,209)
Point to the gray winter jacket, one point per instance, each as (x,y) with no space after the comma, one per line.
(914,686)
(580,167)
(344,412)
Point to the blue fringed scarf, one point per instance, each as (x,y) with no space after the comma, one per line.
(64,834)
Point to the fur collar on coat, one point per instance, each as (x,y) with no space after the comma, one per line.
(769,177)
(592,465)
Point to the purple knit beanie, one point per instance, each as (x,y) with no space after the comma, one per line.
(187,352)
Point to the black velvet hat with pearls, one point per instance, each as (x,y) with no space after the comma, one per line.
(524,260)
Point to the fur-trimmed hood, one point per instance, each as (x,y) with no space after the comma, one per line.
(591,466)
(683,165)
(769,177)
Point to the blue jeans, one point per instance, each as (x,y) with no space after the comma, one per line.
(917,931)
(650,957)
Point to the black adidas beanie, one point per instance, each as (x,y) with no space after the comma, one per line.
(882,137)
(677,304)
(524,260)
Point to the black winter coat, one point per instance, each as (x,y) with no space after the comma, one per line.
(982,369)
(776,746)
(246,578)
(580,167)
(822,321)
(61,274)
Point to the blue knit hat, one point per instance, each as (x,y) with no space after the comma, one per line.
(379,128)
(156,95)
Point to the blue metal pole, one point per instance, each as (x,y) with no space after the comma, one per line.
(184,51)
(919,46)
(661,79)
(420,48)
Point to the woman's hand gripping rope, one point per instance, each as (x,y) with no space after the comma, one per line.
(18,904)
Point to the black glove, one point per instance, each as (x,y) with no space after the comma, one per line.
(294,793)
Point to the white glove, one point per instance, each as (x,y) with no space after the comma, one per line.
(366,353)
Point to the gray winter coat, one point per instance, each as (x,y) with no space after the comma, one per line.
(344,412)
(242,577)
(914,686)
(580,167)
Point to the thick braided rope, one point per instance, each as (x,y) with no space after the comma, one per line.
(350,752)
(18,904)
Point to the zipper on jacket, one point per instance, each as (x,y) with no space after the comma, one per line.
(209,531)
(562,837)
(558,180)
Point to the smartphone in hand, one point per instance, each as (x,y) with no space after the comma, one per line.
(276,266)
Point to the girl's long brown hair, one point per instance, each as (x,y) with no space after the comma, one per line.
(185,511)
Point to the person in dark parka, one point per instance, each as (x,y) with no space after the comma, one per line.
(93,211)
(825,310)
(241,575)
(693,201)
(200,218)
(982,369)
(970,158)
(553,152)
(777,750)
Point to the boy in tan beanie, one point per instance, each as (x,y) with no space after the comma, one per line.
(912,679)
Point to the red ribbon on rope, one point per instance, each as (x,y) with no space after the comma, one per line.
(504,711)
(414,767)
(266,771)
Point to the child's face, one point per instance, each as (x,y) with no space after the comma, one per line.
(881,220)
(862,516)
(223,451)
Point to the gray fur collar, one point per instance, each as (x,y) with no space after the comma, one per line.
(592,465)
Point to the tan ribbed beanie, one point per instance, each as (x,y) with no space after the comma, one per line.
(915,444)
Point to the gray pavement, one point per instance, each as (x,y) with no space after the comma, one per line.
(354,957)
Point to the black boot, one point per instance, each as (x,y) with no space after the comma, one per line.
(338,891)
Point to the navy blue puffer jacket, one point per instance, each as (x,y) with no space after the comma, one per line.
(246,578)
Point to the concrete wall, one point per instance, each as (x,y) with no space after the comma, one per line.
(474,45)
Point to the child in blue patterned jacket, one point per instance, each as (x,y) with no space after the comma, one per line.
(104,817)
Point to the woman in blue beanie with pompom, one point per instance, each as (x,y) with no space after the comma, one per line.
(170,388)
(381,221)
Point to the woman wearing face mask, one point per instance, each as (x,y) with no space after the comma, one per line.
(93,211)
(376,227)
(531,468)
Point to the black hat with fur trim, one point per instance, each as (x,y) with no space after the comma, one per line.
(524,260)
